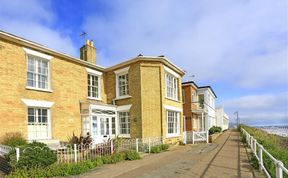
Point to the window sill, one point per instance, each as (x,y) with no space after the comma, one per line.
(97,99)
(172,135)
(173,99)
(124,135)
(123,97)
(39,89)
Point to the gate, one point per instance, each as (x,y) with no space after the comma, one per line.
(196,136)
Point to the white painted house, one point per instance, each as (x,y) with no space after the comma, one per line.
(222,119)
(207,94)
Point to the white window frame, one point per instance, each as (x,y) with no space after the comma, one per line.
(37,59)
(43,105)
(176,79)
(118,73)
(124,108)
(176,134)
(42,57)
(128,124)
(96,74)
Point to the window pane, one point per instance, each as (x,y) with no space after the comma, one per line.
(124,122)
(113,126)
(37,73)
(93,86)
(123,84)
(172,122)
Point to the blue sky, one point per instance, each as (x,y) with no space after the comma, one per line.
(240,47)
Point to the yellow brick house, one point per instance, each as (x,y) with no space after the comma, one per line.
(47,95)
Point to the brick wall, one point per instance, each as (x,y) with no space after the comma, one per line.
(68,84)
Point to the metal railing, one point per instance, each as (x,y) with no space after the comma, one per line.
(81,152)
(260,153)
(4,149)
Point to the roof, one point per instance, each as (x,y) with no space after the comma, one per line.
(190,83)
(208,87)
(163,59)
(202,87)
(44,49)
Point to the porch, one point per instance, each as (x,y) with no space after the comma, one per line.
(105,122)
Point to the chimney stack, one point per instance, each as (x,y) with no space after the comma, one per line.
(88,52)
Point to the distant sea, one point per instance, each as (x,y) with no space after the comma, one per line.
(278,130)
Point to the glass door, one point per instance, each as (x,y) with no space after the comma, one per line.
(101,128)
(104,127)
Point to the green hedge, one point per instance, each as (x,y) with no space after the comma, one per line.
(274,144)
(32,155)
(66,169)
(214,129)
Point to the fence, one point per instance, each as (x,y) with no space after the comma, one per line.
(260,153)
(77,153)
(4,149)
(192,136)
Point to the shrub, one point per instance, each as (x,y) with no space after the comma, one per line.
(159,148)
(32,155)
(66,169)
(155,149)
(132,155)
(117,157)
(80,140)
(164,147)
(214,129)
(14,139)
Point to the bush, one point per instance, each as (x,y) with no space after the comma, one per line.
(117,157)
(80,140)
(132,155)
(66,169)
(214,129)
(14,139)
(159,148)
(121,156)
(164,146)
(32,155)
(155,149)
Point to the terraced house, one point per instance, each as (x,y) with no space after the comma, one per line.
(47,95)
(198,106)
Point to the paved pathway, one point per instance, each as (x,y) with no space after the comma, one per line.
(225,158)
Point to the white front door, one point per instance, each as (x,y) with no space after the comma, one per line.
(101,128)
(38,123)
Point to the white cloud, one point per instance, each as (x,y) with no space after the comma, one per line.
(217,41)
(34,20)
(264,108)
